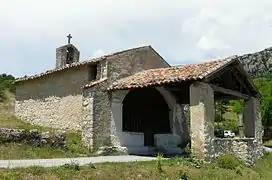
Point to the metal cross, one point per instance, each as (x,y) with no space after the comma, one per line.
(69,38)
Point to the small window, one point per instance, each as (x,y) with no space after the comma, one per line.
(69,55)
(93,72)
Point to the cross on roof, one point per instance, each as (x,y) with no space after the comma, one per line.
(69,38)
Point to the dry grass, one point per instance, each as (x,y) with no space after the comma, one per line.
(171,169)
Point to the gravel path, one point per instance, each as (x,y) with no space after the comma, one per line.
(61,161)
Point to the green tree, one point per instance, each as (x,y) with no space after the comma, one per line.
(264,85)
(220,110)
(6,84)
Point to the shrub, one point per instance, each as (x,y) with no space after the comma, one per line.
(159,162)
(228,161)
(2,96)
(73,166)
(92,165)
(188,148)
(183,175)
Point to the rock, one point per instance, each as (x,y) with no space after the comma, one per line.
(12,135)
(33,137)
(112,150)
(45,138)
(58,139)
(258,63)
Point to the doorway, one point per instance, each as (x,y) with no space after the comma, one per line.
(145,110)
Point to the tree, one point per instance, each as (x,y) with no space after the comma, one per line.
(264,84)
(6,84)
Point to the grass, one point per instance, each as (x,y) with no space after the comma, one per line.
(22,151)
(173,168)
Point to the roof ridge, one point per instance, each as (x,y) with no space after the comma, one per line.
(81,63)
(208,61)
(172,74)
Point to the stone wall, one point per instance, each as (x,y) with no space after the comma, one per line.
(117,66)
(33,137)
(201,120)
(247,149)
(131,62)
(54,100)
(258,63)
(126,64)
(87,117)
(96,116)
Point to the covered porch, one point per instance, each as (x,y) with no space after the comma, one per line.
(162,108)
(144,120)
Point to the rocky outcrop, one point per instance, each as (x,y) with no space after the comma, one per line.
(258,63)
(33,137)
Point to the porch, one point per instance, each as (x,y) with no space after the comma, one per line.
(142,121)
(185,111)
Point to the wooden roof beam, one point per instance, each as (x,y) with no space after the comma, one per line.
(229,92)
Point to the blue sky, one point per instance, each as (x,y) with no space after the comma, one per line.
(182,31)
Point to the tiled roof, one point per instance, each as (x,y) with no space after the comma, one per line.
(171,75)
(92,83)
(91,61)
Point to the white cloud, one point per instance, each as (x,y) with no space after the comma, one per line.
(97,53)
(181,31)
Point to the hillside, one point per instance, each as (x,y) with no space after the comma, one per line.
(258,64)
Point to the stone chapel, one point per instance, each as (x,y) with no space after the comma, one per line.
(135,100)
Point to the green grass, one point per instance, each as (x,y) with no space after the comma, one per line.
(22,151)
(171,169)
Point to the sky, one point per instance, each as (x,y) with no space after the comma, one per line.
(181,31)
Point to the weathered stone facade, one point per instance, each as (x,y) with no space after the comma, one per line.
(100,126)
(203,143)
(66,54)
(247,149)
(201,119)
(53,101)
(181,125)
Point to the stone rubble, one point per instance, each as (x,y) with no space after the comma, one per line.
(109,150)
(33,137)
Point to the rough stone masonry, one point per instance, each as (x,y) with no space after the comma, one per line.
(33,137)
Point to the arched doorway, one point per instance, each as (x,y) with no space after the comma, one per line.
(145,110)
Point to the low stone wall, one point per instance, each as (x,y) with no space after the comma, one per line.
(33,137)
(247,149)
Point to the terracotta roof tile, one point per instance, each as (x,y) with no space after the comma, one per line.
(171,75)
(92,83)
(82,63)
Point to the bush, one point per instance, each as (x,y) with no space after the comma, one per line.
(159,162)
(188,148)
(228,161)
(2,96)
(6,84)
(73,165)
(183,175)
